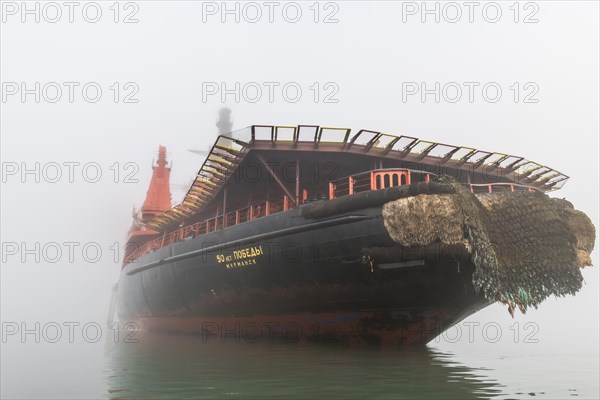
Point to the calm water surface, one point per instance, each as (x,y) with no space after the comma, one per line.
(178,366)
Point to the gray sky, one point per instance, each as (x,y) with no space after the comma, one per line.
(366,62)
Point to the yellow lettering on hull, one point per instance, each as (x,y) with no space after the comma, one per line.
(240,258)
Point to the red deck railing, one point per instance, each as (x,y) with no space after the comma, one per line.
(361,182)
(375,180)
(232,218)
(500,187)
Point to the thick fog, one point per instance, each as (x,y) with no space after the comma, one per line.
(84,98)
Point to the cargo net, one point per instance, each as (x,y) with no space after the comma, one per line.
(525,246)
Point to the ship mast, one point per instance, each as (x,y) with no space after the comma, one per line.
(224,123)
(224,126)
(158,197)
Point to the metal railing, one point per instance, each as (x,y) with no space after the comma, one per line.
(499,187)
(375,180)
(229,150)
(250,213)
(361,182)
(407,147)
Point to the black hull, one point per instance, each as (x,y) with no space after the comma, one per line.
(287,276)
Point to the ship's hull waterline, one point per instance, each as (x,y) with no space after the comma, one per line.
(288,277)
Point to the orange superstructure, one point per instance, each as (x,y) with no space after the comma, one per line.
(158,197)
(158,200)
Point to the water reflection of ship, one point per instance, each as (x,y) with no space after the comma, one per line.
(182,366)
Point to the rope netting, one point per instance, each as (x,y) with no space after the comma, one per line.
(525,246)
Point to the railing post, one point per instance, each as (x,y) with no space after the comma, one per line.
(285,203)
(373,184)
(267,208)
(297,202)
(331,190)
(350,185)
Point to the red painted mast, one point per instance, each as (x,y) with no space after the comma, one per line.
(158,197)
